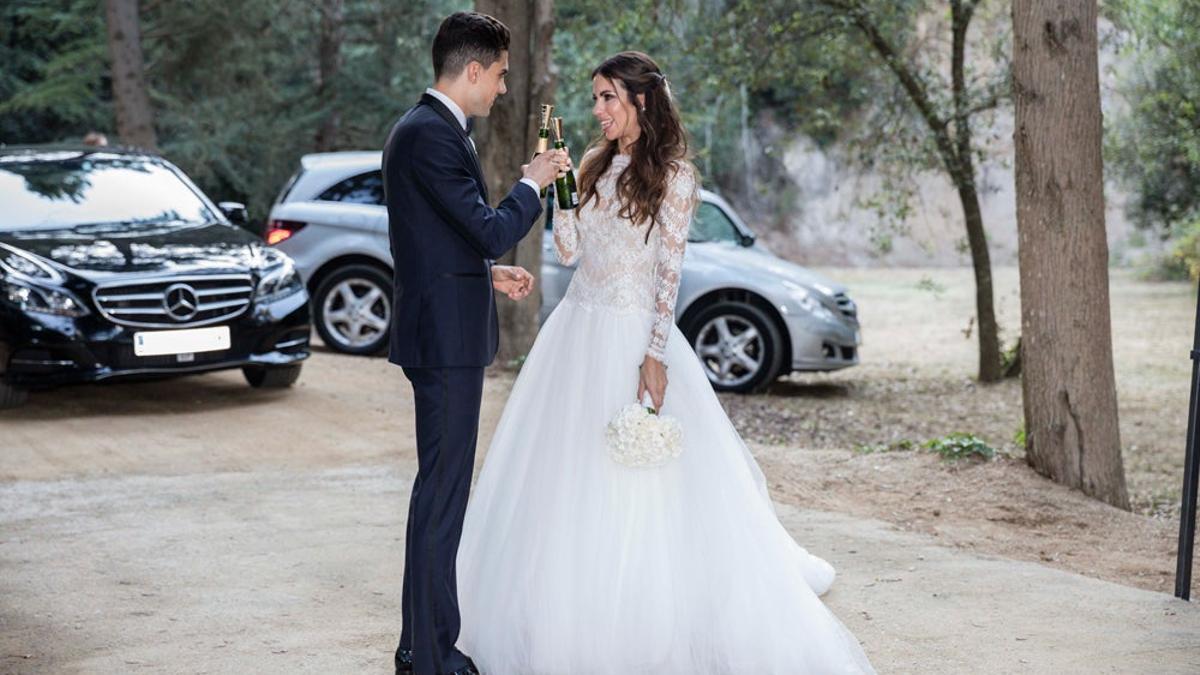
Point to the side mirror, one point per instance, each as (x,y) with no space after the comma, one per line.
(235,212)
(747,240)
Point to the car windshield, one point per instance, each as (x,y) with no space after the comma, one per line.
(68,189)
(711,224)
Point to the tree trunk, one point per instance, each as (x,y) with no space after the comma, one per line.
(1069,390)
(955,152)
(963,174)
(329,62)
(989,332)
(135,117)
(506,141)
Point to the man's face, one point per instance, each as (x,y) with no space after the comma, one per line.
(488,85)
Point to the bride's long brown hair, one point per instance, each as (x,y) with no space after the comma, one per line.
(642,186)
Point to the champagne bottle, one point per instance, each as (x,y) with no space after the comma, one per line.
(543,141)
(564,185)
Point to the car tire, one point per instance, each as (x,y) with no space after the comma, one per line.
(338,332)
(12,397)
(720,335)
(273,377)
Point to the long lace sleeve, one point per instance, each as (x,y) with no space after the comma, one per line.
(674,217)
(566,236)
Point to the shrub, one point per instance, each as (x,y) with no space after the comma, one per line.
(961,446)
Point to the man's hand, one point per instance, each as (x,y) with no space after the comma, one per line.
(547,166)
(515,282)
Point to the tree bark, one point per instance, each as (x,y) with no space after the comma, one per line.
(506,140)
(1068,384)
(990,369)
(135,116)
(964,179)
(329,62)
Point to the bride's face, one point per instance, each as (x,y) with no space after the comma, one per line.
(614,111)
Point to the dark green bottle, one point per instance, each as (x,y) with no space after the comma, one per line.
(564,185)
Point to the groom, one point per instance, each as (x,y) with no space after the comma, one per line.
(444,239)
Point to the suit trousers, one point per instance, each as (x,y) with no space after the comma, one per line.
(447,404)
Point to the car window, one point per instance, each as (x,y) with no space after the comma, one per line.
(365,188)
(72,189)
(711,224)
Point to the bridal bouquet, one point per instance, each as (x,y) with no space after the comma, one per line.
(639,437)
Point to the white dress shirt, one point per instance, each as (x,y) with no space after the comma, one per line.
(462,121)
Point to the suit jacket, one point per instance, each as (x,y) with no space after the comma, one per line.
(444,238)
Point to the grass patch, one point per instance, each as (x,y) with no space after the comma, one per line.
(961,446)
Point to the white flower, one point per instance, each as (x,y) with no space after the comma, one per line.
(639,438)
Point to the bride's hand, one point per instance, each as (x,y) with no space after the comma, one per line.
(653,379)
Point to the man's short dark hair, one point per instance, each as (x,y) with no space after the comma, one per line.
(465,37)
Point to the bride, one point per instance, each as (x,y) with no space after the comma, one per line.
(571,563)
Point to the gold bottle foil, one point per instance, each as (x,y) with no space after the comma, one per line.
(543,142)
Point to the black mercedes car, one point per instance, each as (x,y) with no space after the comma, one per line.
(114,264)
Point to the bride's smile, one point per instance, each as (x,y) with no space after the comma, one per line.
(613,110)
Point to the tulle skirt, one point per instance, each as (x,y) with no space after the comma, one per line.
(573,564)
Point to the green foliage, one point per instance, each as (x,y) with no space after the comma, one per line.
(53,81)
(233,85)
(731,64)
(1019,436)
(928,285)
(236,90)
(1155,147)
(953,446)
(1183,261)
(1010,358)
(236,100)
(960,445)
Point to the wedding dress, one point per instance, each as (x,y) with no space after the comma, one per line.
(573,564)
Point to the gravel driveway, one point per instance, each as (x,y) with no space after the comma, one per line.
(199,526)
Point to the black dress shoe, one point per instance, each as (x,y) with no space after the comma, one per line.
(404,664)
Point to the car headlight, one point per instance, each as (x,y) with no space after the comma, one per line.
(806,300)
(27,283)
(18,263)
(279,280)
(32,298)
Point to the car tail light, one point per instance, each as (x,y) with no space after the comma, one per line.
(280,230)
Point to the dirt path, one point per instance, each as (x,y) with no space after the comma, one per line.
(286,572)
(199,526)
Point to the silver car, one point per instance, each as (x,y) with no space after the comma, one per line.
(749,315)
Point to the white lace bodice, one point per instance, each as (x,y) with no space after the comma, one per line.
(618,269)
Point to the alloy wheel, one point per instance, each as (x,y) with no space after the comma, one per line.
(356,312)
(731,349)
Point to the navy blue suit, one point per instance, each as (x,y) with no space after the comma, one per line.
(444,237)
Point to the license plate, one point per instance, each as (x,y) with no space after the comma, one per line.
(187,341)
